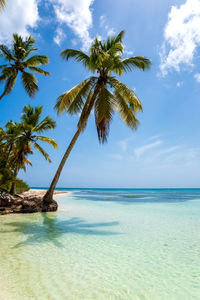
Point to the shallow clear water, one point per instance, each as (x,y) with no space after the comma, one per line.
(105,244)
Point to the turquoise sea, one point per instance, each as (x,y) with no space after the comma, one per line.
(138,244)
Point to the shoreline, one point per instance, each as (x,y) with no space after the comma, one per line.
(41,193)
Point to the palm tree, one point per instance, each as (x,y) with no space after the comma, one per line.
(102,92)
(2,4)
(18,61)
(20,137)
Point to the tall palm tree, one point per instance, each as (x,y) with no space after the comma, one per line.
(2,4)
(22,137)
(102,92)
(18,61)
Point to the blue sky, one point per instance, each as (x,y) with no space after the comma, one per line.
(165,150)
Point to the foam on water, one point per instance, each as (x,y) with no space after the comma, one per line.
(105,244)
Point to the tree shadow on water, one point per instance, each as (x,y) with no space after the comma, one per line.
(52,229)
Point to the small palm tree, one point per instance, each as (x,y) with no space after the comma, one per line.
(22,137)
(103,92)
(18,62)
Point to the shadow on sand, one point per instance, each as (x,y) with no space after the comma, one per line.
(52,229)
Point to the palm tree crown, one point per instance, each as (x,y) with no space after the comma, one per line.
(17,139)
(18,61)
(103,92)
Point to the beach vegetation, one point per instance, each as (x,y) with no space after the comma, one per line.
(19,62)
(18,141)
(102,92)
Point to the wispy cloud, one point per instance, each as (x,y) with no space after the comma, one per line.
(59,36)
(141,150)
(179,83)
(197,77)
(181,36)
(124,143)
(77,15)
(103,23)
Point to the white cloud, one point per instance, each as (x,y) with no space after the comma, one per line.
(77,15)
(197,77)
(19,17)
(59,36)
(124,143)
(103,23)
(140,150)
(181,36)
(179,83)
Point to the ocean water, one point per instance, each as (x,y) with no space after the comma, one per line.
(105,244)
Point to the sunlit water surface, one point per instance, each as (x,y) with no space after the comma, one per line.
(105,244)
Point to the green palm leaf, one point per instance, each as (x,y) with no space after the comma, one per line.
(126,112)
(140,62)
(46,124)
(17,56)
(104,109)
(48,140)
(66,99)
(37,60)
(42,151)
(29,83)
(6,53)
(127,93)
(39,71)
(77,54)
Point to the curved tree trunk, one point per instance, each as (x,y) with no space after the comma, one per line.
(49,194)
(48,197)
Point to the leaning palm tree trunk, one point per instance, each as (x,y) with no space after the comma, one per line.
(49,194)
(48,197)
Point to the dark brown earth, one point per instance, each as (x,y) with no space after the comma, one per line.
(27,202)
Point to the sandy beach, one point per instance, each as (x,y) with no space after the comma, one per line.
(41,192)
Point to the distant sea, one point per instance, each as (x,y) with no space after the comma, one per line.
(138,244)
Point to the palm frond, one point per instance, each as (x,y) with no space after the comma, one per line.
(46,124)
(120,36)
(79,56)
(126,92)
(48,140)
(126,112)
(3,66)
(10,83)
(140,62)
(39,71)
(104,109)
(65,100)
(8,72)
(42,151)
(29,83)
(6,53)
(76,104)
(37,60)
(30,116)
